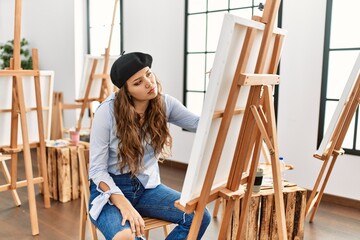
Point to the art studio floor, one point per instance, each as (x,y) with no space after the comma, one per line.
(61,221)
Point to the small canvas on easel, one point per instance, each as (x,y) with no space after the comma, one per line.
(96,85)
(46,83)
(231,42)
(326,142)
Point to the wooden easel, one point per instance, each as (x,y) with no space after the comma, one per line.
(19,112)
(106,88)
(333,149)
(258,125)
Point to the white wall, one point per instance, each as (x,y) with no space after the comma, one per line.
(301,70)
(157,27)
(49,26)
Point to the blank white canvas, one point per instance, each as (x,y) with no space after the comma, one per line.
(96,83)
(228,51)
(326,141)
(46,88)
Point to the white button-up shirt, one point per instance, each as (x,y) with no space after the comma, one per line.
(104,148)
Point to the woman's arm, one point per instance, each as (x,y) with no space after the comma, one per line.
(128,212)
(100,146)
(179,115)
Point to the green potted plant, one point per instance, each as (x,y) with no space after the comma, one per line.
(7,50)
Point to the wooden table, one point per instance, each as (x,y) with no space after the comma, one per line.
(63,172)
(261,223)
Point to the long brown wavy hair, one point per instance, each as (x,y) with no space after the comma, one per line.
(133,132)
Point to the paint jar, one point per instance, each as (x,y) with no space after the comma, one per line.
(258,180)
(74,137)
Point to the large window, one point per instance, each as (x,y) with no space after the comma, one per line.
(341,48)
(203,24)
(100,14)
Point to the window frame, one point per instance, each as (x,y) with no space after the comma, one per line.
(324,84)
(186,52)
(120,6)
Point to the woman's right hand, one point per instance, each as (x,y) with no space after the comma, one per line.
(129,213)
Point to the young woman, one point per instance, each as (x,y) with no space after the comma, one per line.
(129,133)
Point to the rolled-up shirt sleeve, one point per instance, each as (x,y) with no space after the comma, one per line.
(99,157)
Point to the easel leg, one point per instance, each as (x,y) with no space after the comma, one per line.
(43,172)
(278,194)
(216,207)
(86,97)
(279,200)
(14,134)
(226,217)
(312,199)
(83,219)
(314,202)
(248,193)
(5,170)
(27,159)
(42,154)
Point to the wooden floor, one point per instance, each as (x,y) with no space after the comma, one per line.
(61,221)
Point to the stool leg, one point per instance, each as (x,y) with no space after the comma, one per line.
(216,207)
(147,234)
(82,219)
(166,230)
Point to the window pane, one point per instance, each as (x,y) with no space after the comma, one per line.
(204,22)
(215,21)
(98,41)
(196,33)
(209,64)
(257,2)
(101,12)
(358,134)
(209,61)
(349,137)
(345,24)
(245,13)
(196,6)
(100,18)
(217,5)
(340,66)
(196,72)
(115,41)
(195,101)
(240,3)
(330,109)
(257,12)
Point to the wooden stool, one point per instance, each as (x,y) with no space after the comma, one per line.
(150,223)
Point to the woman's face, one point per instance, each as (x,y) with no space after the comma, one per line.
(142,86)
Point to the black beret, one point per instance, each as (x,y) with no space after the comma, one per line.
(127,65)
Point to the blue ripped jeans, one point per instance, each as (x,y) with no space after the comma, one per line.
(157,203)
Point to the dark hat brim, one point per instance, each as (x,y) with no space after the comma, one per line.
(127,65)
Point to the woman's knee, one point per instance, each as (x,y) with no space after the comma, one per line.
(205,220)
(125,234)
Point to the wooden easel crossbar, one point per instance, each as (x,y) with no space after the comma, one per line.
(18,112)
(257,126)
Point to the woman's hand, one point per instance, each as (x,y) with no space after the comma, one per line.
(129,213)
